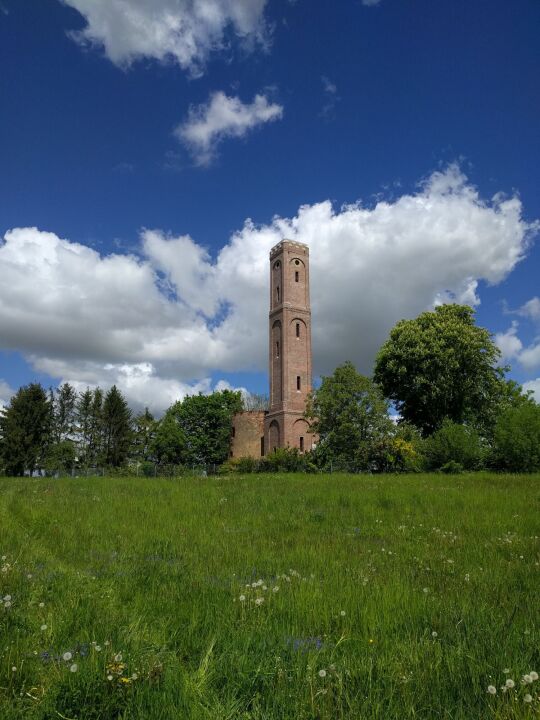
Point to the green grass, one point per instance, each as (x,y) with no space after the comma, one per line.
(412,593)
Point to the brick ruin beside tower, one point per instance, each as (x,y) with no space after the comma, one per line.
(283,425)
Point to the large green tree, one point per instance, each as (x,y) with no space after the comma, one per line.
(25,430)
(116,424)
(201,425)
(350,415)
(442,365)
(516,445)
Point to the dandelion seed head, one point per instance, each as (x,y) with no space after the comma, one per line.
(534,675)
(510,683)
(322,673)
(43,627)
(67,656)
(492,690)
(342,613)
(73,668)
(242,598)
(527,698)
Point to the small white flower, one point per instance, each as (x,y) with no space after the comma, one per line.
(98,648)
(527,698)
(434,634)
(426,590)
(254,585)
(342,613)
(275,589)
(322,673)
(67,656)
(41,604)
(109,677)
(259,601)
(14,669)
(7,604)
(43,627)
(264,587)
(510,683)
(134,676)
(74,667)
(506,671)
(118,657)
(492,690)
(7,598)
(242,598)
(534,675)
(527,679)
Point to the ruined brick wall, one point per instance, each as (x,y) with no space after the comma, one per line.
(248,434)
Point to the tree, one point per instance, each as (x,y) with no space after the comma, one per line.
(64,415)
(516,445)
(25,427)
(144,429)
(350,415)
(441,365)
(453,443)
(202,426)
(169,442)
(83,423)
(117,432)
(95,448)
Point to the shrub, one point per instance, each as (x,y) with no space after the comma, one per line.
(516,444)
(455,443)
(452,468)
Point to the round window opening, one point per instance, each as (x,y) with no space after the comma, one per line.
(277,265)
(297,262)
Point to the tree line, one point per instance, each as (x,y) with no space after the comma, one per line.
(439,374)
(60,430)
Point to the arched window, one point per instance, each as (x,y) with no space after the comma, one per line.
(297,330)
(296,276)
(298,382)
(277,293)
(277,348)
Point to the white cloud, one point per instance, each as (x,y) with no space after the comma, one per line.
(186,31)
(5,393)
(331,97)
(508,343)
(530,357)
(160,324)
(223,117)
(531,309)
(533,385)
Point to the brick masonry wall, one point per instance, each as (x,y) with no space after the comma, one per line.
(248,429)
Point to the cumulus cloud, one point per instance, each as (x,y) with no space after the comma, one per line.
(508,343)
(534,386)
(186,31)
(161,323)
(530,357)
(223,117)
(5,393)
(531,309)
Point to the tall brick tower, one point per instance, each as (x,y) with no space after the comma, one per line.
(290,348)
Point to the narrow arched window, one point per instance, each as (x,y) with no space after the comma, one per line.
(277,293)
(301,444)
(296,276)
(298,382)
(277,348)
(297,330)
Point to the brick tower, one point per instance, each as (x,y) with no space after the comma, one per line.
(290,348)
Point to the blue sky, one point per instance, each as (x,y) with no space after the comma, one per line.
(139,143)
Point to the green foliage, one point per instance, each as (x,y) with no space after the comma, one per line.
(441,365)
(409,592)
(25,427)
(405,450)
(64,413)
(144,431)
(197,430)
(350,416)
(116,424)
(60,458)
(517,439)
(454,443)
(452,468)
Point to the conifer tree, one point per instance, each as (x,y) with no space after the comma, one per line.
(25,427)
(117,431)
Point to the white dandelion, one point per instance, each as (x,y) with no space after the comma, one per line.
(527,698)
(534,675)
(510,683)
(342,613)
(43,627)
(275,589)
(492,690)
(67,656)
(118,657)
(242,598)
(73,668)
(259,601)
(322,673)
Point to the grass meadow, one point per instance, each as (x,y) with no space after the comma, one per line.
(270,597)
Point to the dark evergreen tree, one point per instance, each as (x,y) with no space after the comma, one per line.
(144,430)
(95,452)
(64,415)
(83,422)
(25,428)
(117,432)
